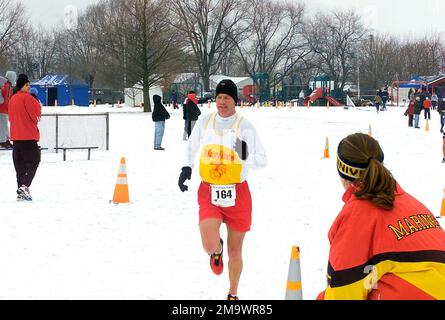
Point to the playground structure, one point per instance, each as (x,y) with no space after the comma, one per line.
(321,86)
(283,89)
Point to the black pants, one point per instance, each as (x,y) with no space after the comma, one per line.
(410,120)
(427,113)
(26,156)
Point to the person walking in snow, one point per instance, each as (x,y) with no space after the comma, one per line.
(229,147)
(159,115)
(384,95)
(378,100)
(24,114)
(6,85)
(384,244)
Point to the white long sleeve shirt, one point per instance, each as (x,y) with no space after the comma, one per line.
(215,137)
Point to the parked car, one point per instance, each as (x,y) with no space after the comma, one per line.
(104,96)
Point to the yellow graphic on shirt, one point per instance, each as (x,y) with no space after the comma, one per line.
(220,165)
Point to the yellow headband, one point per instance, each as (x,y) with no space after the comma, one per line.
(347,171)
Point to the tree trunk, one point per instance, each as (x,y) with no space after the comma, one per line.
(147,104)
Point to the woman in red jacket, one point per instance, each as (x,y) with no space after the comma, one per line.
(385,244)
(24,114)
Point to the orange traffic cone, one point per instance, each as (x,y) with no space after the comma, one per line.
(370,131)
(427,126)
(94,103)
(442,210)
(294,290)
(121,194)
(326,149)
(55,103)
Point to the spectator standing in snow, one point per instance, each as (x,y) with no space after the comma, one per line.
(229,147)
(24,114)
(301,98)
(410,112)
(192,111)
(175,100)
(6,85)
(427,106)
(384,244)
(159,115)
(441,110)
(417,109)
(434,100)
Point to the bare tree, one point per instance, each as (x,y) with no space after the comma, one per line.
(379,61)
(273,40)
(80,44)
(137,35)
(12,22)
(335,37)
(206,24)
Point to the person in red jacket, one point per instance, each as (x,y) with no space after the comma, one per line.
(5,94)
(385,244)
(427,104)
(24,114)
(410,112)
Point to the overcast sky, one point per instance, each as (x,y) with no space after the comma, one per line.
(399,17)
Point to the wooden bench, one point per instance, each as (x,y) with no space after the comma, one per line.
(75,148)
(10,149)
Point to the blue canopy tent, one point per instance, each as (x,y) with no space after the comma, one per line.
(53,87)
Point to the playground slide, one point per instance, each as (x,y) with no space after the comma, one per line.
(315,95)
(333,102)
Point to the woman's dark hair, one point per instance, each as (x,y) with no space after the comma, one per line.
(376,183)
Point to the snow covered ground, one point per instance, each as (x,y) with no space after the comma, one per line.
(70,243)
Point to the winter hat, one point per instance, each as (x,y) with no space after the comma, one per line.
(21,81)
(228,87)
(11,76)
(33,91)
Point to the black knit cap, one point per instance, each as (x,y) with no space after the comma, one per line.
(228,87)
(21,81)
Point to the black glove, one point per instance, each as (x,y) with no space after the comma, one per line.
(186,174)
(241,149)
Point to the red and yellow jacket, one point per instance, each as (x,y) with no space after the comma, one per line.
(24,114)
(385,255)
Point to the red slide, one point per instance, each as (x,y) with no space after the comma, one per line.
(315,95)
(334,102)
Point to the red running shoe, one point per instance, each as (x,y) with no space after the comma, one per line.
(216,261)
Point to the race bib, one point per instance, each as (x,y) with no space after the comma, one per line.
(223,195)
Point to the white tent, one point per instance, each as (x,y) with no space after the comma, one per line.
(134,96)
(239,81)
